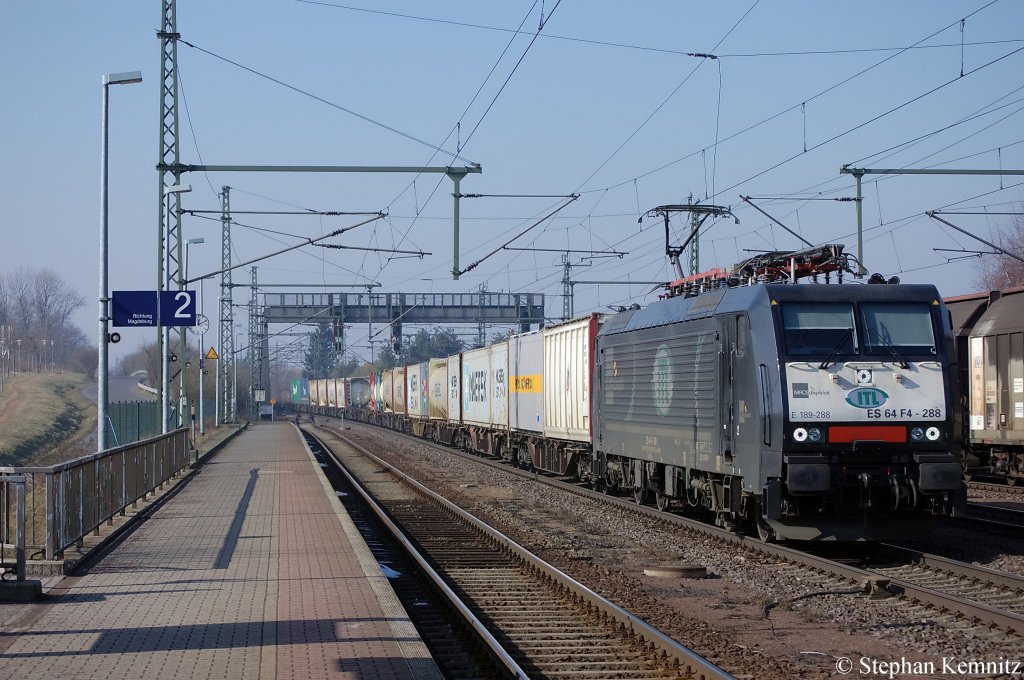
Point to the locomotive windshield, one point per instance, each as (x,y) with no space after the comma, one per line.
(819,328)
(900,326)
(878,328)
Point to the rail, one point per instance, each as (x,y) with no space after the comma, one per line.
(66,502)
(686,658)
(12,526)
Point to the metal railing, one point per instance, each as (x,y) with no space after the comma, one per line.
(12,526)
(64,503)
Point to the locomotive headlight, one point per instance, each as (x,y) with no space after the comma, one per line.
(933,434)
(917,434)
(800,434)
(815,435)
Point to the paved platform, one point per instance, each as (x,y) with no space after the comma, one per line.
(251,570)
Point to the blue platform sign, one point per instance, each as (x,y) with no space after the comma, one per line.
(133,308)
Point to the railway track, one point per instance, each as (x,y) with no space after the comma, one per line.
(1013,488)
(972,597)
(995,515)
(536,621)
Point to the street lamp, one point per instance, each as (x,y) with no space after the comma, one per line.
(109,79)
(202,424)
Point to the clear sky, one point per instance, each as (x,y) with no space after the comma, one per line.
(604,102)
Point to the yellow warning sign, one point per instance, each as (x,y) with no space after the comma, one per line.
(212,354)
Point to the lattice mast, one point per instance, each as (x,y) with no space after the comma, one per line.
(169,255)
(226,334)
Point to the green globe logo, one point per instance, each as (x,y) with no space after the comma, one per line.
(661,385)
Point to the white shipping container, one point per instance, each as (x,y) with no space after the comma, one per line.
(332,391)
(476,393)
(455,388)
(499,385)
(416,380)
(398,385)
(342,386)
(437,389)
(321,390)
(386,392)
(526,382)
(568,368)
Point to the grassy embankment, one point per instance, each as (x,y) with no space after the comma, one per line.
(44,419)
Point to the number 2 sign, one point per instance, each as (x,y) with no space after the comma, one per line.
(145,308)
(178,307)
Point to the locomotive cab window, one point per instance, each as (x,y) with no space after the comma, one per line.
(814,328)
(900,326)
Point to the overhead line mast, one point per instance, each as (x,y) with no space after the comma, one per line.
(567,286)
(859,173)
(226,335)
(169,201)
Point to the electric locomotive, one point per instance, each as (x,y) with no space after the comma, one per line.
(817,411)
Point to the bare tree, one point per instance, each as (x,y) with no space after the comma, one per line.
(997,272)
(36,306)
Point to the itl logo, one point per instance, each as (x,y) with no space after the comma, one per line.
(867,397)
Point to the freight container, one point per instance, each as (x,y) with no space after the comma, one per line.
(476,393)
(398,387)
(332,391)
(387,392)
(568,371)
(311,391)
(455,389)
(525,382)
(321,391)
(498,385)
(416,381)
(359,392)
(342,387)
(437,389)
(996,359)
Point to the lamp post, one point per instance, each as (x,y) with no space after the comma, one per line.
(202,424)
(109,79)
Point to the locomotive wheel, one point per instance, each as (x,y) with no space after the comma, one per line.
(640,496)
(662,500)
